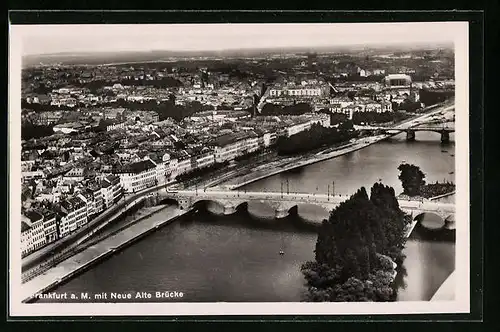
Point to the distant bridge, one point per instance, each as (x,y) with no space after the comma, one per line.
(444,130)
(283,202)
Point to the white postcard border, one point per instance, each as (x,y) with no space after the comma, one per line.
(461,304)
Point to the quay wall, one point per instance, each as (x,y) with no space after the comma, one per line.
(109,246)
(351,147)
(442,196)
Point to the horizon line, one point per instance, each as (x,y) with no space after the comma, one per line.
(369,45)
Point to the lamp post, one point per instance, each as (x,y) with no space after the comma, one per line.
(333,188)
(328,193)
(287,187)
(281,189)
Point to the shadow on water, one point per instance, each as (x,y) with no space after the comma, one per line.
(242,218)
(168,201)
(297,170)
(422,233)
(430,258)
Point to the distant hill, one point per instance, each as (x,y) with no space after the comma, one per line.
(96,58)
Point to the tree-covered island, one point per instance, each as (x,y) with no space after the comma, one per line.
(356,249)
(414,185)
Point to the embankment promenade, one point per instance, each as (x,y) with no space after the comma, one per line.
(96,253)
(286,164)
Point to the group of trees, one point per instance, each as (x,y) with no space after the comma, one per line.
(428,97)
(199,172)
(314,138)
(412,179)
(355,249)
(296,109)
(335,118)
(435,189)
(374,117)
(408,106)
(413,182)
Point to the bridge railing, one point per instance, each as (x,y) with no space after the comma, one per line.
(421,203)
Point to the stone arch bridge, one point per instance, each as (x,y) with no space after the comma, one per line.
(283,202)
(410,131)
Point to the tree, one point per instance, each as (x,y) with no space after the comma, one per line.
(354,246)
(346,125)
(412,179)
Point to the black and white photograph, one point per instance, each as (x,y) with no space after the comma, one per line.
(229,169)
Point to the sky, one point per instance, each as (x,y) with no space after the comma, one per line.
(46,39)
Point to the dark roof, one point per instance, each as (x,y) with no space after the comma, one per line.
(86,193)
(72,203)
(229,139)
(48,214)
(137,167)
(33,216)
(142,153)
(24,226)
(112,178)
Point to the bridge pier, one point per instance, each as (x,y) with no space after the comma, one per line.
(445,137)
(449,222)
(184,203)
(281,213)
(229,209)
(410,135)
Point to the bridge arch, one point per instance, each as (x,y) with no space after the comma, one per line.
(263,209)
(212,206)
(430,220)
(312,212)
(168,200)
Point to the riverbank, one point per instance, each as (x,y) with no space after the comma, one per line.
(100,221)
(410,228)
(442,196)
(92,237)
(97,252)
(289,163)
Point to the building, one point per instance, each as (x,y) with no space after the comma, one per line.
(88,197)
(397,81)
(298,91)
(98,199)
(70,127)
(50,226)
(73,215)
(183,165)
(230,146)
(251,144)
(75,174)
(32,175)
(112,190)
(26,241)
(37,230)
(115,125)
(202,160)
(137,176)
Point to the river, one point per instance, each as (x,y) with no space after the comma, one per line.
(235,258)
